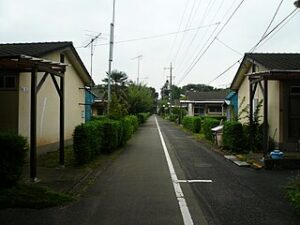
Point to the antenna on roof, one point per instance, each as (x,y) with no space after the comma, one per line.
(91,44)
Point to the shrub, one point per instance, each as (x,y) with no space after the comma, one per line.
(192,123)
(102,135)
(173,117)
(13,152)
(208,124)
(253,137)
(233,137)
(86,141)
(142,117)
(293,193)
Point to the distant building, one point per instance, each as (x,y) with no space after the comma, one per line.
(205,103)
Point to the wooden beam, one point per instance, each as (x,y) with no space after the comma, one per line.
(56,85)
(62,117)
(33,120)
(266,126)
(42,81)
(62,122)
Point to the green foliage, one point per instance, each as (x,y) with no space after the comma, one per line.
(233,138)
(219,118)
(140,99)
(86,141)
(197,87)
(32,196)
(192,123)
(293,193)
(208,124)
(142,117)
(177,114)
(253,137)
(101,136)
(117,109)
(13,152)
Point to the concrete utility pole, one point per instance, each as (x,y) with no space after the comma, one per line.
(171,79)
(111,45)
(139,57)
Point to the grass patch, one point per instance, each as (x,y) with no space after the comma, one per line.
(32,196)
(293,193)
(51,159)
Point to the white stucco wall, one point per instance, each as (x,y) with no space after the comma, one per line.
(273,104)
(48,105)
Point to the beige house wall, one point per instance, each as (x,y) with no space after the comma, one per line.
(48,105)
(273,105)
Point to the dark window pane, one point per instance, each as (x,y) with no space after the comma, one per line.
(294,128)
(10,82)
(1,81)
(295,90)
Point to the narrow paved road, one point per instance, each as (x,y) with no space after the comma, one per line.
(237,195)
(138,188)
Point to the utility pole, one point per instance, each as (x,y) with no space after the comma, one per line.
(139,57)
(111,45)
(171,79)
(91,43)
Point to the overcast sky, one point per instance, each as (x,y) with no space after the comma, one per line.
(79,20)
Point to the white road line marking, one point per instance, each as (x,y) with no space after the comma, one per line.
(187,219)
(194,181)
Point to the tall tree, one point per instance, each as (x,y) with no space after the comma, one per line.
(140,99)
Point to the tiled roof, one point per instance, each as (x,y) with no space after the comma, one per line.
(207,96)
(37,49)
(276,61)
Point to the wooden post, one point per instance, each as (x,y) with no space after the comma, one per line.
(251,96)
(62,118)
(33,126)
(266,126)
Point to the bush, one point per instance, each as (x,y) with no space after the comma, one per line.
(192,123)
(110,135)
(102,135)
(86,141)
(142,117)
(173,117)
(293,193)
(208,124)
(233,137)
(254,137)
(13,152)
(134,121)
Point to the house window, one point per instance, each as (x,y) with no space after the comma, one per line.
(294,113)
(8,82)
(215,109)
(198,110)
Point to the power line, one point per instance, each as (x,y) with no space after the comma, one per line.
(158,35)
(219,32)
(198,46)
(179,27)
(183,37)
(227,46)
(283,21)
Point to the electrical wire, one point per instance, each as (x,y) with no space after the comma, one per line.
(282,23)
(227,46)
(196,33)
(158,35)
(183,37)
(210,44)
(179,27)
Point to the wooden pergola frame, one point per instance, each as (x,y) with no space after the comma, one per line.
(24,63)
(256,79)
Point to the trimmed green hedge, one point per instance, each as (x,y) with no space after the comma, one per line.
(13,152)
(101,135)
(233,136)
(207,125)
(192,123)
(142,117)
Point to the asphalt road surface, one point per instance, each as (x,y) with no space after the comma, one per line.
(148,184)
